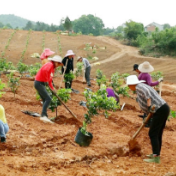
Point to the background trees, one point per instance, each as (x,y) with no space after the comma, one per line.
(88,24)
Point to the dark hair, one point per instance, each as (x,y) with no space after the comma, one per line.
(135,67)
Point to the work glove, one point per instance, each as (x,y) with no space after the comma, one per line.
(150,109)
(160,79)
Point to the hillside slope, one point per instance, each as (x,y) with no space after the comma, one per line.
(113,56)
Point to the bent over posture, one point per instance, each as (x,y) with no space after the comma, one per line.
(147,97)
(43,77)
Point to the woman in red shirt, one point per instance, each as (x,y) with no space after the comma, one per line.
(43,77)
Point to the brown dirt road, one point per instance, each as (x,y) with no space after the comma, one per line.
(35,148)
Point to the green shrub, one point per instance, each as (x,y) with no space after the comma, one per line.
(13,83)
(97,102)
(2,86)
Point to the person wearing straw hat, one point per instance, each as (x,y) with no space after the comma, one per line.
(44,77)
(68,65)
(87,69)
(44,56)
(145,68)
(147,97)
(4,128)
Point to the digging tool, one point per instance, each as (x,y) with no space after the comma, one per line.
(122,106)
(132,143)
(65,105)
(63,73)
(160,88)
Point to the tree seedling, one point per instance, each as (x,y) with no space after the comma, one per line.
(13,83)
(79,67)
(96,103)
(2,86)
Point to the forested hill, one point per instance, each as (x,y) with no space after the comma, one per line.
(13,20)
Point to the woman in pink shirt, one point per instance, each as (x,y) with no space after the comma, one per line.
(43,77)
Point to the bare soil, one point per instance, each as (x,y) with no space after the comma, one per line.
(37,148)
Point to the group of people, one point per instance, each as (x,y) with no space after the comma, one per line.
(146,98)
(46,72)
(141,84)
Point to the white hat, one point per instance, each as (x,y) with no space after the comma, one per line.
(145,67)
(79,57)
(56,59)
(69,53)
(133,79)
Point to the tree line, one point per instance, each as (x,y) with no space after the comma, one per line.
(154,44)
(86,24)
(157,43)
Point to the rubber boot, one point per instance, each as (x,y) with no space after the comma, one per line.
(149,156)
(154,159)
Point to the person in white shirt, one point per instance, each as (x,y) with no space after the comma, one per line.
(87,69)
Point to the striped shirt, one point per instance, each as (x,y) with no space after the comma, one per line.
(145,92)
(85,62)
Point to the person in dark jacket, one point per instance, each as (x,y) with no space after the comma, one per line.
(68,66)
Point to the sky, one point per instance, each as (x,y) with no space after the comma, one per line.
(112,12)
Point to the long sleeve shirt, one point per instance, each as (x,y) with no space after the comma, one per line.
(46,73)
(69,65)
(145,92)
(147,78)
(85,62)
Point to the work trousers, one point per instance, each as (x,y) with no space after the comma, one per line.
(157,126)
(40,86)
(4,128)
(87,75)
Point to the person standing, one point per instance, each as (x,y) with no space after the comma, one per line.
(44,77)
(147,97)
(4,128)
(87,69)
(44,56)
(68,66)
(145,68)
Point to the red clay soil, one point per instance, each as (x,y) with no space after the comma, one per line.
(37,148)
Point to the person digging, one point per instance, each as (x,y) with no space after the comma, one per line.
(87,69)
(145,68)
(147,97)
(44,77)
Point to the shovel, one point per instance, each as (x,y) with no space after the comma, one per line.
(133,143)
(160,88)
(65,105)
